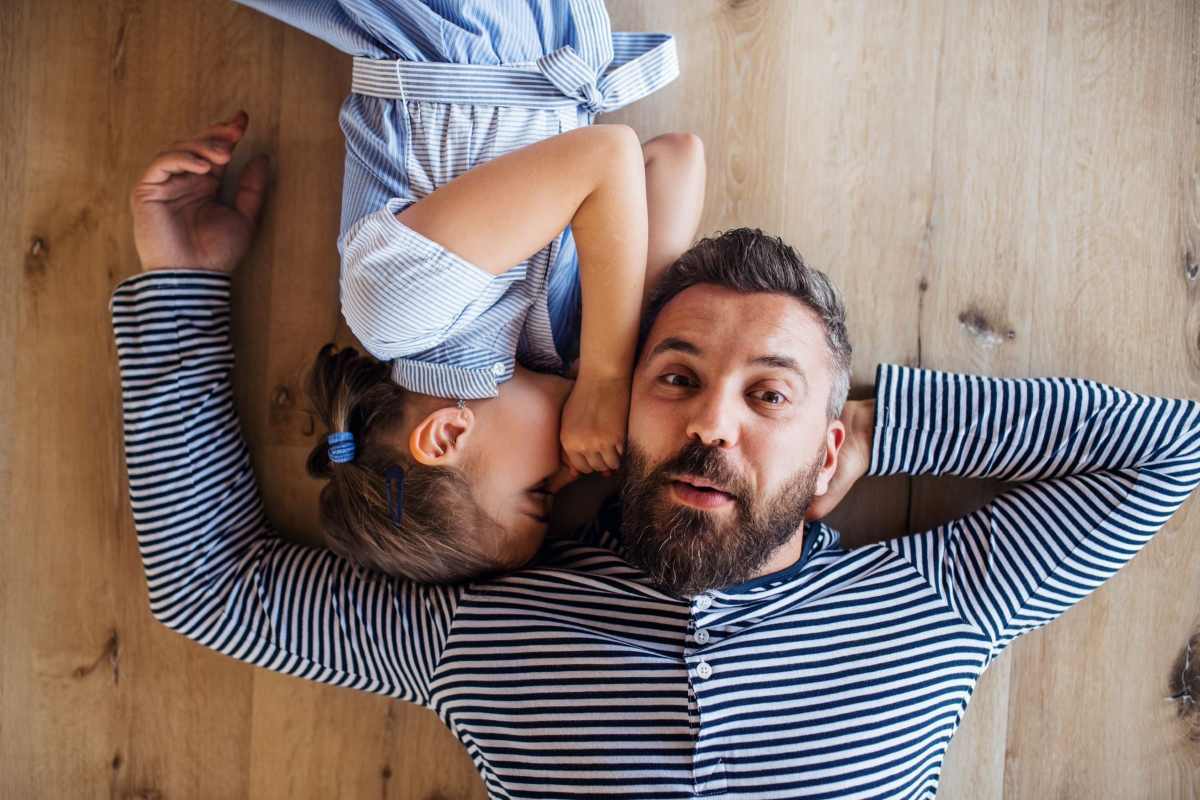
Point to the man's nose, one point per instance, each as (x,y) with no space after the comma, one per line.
(714,419)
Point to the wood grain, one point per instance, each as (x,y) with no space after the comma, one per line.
(1011,188)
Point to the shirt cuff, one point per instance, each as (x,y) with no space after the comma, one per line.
(169,284)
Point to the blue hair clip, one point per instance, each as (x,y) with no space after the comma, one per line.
(341,447)
(394,475)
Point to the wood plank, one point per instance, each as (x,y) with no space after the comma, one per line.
(979,272)
(68,515)
(185,727)
(1086,712)
(17,603)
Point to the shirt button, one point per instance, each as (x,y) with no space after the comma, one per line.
(497,369)
(703,602)
(701,636)
(703,670)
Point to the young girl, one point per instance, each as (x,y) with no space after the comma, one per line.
(489,235)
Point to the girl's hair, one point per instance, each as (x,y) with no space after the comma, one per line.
(441,527)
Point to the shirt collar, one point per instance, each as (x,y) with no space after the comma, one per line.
(810,543)
(447,380)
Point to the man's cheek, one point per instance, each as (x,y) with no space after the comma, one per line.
(763,470)
(641,435)
(652,429)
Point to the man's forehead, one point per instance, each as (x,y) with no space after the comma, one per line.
(708,316)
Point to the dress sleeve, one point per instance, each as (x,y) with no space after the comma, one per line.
(402,293)
(216,571)
(1099,471)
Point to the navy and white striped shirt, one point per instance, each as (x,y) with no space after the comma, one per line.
(438,88)
(843,677)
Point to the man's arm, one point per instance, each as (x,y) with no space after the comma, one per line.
(216,571)
(1102,470)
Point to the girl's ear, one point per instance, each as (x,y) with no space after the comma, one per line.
(439,439)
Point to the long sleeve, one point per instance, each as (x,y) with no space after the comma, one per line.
(216,571)
(1099,471)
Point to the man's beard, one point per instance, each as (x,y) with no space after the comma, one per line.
(687,550)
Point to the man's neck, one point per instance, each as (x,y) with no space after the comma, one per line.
(785,555)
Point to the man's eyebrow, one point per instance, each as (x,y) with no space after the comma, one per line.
(783,362)
(676,344)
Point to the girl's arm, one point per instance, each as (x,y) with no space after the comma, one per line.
(503,211)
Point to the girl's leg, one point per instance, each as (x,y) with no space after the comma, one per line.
(675,175)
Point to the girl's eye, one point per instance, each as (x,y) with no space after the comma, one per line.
(772,398)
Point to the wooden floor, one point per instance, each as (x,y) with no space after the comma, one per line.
(1011,188)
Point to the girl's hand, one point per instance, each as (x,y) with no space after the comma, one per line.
(593,424)
(178,220)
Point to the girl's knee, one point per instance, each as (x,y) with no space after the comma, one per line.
(680,147)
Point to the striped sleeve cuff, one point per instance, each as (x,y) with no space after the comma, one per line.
(170,288)
(883,434)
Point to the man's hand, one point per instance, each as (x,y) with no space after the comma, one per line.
(853,458)
(178,220)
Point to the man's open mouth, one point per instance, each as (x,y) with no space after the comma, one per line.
(699,492)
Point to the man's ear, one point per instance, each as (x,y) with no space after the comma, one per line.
(835,436)
(439,439)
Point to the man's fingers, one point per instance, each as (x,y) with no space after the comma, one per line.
(218,141)
(207,153)
(252,187)
(231,129)
(215,150)
(182,187)
(226,136)
(174,162)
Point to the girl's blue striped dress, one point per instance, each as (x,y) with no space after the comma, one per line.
(438,87)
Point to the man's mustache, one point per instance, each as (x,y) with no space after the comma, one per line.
(704,462)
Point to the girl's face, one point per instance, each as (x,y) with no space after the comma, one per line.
(514,451)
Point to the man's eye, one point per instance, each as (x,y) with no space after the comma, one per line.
(772,398)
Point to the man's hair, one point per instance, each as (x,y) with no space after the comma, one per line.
(747,260)
(441,526)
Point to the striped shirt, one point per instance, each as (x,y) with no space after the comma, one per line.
(845,676)
(439,88)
